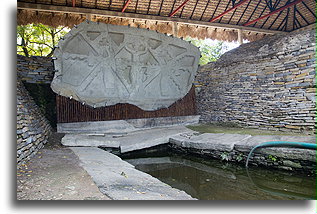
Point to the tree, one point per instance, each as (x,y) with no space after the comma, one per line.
(210,51)
(38,39)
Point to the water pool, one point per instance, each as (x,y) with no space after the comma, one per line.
(216,180)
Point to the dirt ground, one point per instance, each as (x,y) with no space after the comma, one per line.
(54,173)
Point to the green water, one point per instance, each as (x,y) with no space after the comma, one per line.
(216,180)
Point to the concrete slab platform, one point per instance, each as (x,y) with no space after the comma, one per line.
(119,180)
(219,141)
(129,142)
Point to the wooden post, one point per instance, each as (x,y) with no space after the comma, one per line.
(88,17)
(175,29)
(240,36)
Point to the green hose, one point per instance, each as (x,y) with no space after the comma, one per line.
(281,144)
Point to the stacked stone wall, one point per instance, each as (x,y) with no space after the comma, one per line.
(35,69)
(33,129)
(267,84)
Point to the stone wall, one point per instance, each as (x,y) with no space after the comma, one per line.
(35,69)
(33,128)
(267,84)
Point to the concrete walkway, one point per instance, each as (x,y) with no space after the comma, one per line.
(121,181)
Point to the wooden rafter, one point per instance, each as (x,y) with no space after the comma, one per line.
(271,13)
(177,9)
(228,11)
(125,5)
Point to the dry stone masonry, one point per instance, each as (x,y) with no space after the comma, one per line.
(33,129)
(102,65)
(35,69)
(267,84)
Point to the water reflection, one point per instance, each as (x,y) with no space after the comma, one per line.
(213,180)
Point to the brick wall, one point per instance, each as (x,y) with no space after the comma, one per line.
(35,69)
(33,129)
(267,84)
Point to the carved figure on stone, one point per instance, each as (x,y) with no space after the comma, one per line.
(101,65)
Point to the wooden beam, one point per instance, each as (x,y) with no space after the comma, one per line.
(273,12)
(177,9)
(107,13)
(228,11)
(175,29)
(125,6)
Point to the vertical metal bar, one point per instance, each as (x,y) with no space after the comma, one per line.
(225,10)
(172,8)
(246,10)
(302,16)
(309,9)
(148,9)
(194,9)
(204,10)
(281,24)
(136,6)
(161,8)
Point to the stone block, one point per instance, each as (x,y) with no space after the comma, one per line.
(103,65)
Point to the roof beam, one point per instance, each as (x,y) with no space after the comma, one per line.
(177,9)
(125,6)
(228,11)
(107,13)
(273,12)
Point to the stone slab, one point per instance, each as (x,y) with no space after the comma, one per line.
(149,138)
(96,127)
(90,140)
(125,126)
(164,121)
(209,141)
(102,64)
(132,141)
(119,180)
(282,152)
(244,143)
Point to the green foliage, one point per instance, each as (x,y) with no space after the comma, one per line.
(225,156)
(209,52)
(272,158)
(38,39)
(239,157)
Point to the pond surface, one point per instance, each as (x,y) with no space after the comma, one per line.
(215,180)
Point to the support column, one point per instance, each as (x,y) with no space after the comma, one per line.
(240,36)
(88,17)
(175,29)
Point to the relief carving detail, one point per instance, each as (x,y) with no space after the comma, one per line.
(101,65)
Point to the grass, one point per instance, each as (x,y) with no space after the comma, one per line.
(212,128)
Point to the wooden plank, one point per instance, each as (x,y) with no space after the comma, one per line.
(99,12)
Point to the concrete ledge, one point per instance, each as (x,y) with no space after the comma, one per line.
(119,180)
(235,148)
(125,126)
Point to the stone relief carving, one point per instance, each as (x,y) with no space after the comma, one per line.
(102,65)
